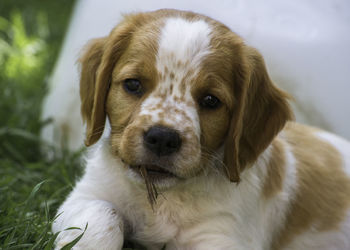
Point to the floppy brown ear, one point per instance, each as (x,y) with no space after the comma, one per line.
(90,62)
(97,64)
(260,112)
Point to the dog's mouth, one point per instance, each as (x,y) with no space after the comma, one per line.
(154,172)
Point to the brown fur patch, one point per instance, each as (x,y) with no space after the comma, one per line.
(261,111)
(275,170)
(137,61)
(322,197)
(132,42)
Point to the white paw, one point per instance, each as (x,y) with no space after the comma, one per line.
(100,226)
(111,239)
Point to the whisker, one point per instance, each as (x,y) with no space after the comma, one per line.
(214,160)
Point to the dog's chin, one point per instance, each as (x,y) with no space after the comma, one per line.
(159,176)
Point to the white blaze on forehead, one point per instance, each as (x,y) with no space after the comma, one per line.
(183,45)
(183,40)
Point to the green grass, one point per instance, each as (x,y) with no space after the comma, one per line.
(31,186)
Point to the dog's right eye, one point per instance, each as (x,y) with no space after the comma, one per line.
(133,86)
(210,102)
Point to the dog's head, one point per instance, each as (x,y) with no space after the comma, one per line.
(180,91)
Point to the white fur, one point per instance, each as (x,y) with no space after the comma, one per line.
(185,41)
(341,145)
(223,212)
(328,240)
(203,213)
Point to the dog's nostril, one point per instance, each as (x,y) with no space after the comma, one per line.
(152,140)
(171,145)
(162,140)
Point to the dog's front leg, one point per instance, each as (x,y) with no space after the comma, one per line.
(105,227)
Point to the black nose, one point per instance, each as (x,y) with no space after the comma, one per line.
(162,141)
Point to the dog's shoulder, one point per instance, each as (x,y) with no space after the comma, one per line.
(321,199)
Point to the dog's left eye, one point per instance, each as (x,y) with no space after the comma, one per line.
(133,86)
(210,101)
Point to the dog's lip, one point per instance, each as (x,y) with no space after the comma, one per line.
(153,169)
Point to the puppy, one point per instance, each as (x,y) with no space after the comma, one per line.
(195,118)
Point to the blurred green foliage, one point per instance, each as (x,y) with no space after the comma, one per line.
(31,186)
(31,33)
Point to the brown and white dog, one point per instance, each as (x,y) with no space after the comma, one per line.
(193,106)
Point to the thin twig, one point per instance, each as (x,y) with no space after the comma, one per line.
(151,189)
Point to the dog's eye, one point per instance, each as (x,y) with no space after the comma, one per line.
(210,101)
(133,86)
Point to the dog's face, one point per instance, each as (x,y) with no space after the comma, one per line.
(181,92)
(167,106)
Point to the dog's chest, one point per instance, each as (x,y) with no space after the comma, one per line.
(168,221)
(159,225)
